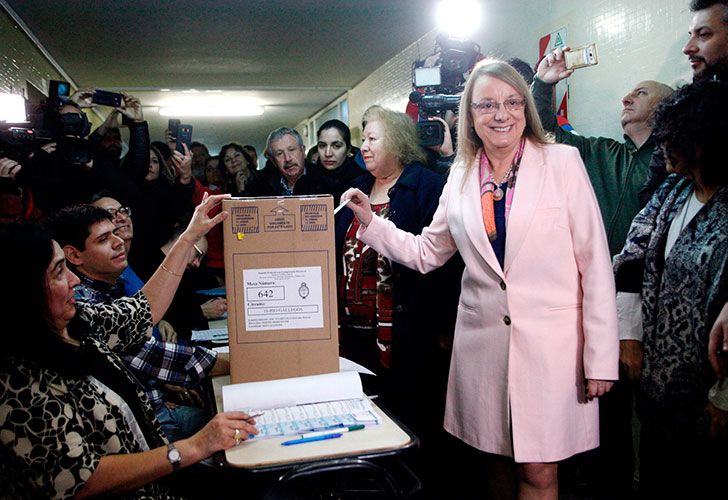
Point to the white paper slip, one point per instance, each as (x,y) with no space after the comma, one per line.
(283,298)
(347,365)
(341,205)
(223,349)
(213,335)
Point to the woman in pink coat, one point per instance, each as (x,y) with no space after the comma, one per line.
(536,333)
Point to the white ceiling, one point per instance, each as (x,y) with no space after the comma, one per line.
(294,56)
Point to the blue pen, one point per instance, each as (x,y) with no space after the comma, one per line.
(311,439)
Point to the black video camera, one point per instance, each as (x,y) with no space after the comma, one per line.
(18,141)
(437,82)
(432,132)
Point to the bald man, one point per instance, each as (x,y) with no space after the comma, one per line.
(616,169)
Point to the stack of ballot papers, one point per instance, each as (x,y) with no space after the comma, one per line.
(302,404)
(212,335)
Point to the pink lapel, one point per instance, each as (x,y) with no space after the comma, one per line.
(529,185)
(473,220)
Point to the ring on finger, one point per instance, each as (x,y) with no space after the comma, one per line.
(237,437)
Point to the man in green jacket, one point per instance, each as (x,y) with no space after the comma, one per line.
(616,169)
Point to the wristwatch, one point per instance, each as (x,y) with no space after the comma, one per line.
(173,456)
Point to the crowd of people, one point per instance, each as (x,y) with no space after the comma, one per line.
(516,305)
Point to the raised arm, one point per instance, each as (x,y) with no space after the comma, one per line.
(136,162)
(423,252)
(550,71)
(161,287)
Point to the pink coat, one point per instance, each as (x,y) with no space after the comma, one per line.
(527,336)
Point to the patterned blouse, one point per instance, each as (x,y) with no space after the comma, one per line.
(682,294)
(367,288)
(54,429)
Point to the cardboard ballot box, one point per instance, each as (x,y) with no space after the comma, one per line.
(280,277)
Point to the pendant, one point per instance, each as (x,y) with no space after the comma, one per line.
(498,194)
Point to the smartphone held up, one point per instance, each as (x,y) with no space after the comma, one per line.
(184,136)
(581,57)
(106,98)
(180,133)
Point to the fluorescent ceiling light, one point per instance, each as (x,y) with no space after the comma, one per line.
(12,108)
(459,18)
(210,105)
(218,110)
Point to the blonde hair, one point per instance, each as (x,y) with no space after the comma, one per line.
(468,141)
(400,134)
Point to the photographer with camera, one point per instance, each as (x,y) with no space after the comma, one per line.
(64,171)
(18,143)
(437,82)
(437,128)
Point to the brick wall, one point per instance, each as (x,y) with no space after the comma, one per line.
(21,61)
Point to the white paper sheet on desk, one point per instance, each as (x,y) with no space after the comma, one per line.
(292,391)
(302,404)
(212,335)
(315,416)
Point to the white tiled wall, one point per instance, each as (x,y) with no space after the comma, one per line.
(636,39)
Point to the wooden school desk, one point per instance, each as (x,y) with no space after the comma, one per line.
(385,439)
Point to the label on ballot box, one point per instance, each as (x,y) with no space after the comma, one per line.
(285,298)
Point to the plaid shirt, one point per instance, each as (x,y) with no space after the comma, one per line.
(156,361)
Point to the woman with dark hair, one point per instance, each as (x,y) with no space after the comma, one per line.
(164,156)
(155,205)
(676,258)
(240,168)
(214,174)
(335,159)
(73,420)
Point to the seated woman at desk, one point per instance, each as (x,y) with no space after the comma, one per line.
(73,420)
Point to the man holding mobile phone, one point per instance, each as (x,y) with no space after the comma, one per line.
(608,162)
(617,170)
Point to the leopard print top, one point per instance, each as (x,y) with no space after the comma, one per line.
(54,429)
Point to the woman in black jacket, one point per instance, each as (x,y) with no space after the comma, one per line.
(393,320)
(336,162)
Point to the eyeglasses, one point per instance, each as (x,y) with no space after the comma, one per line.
(126,211)
(488,107)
